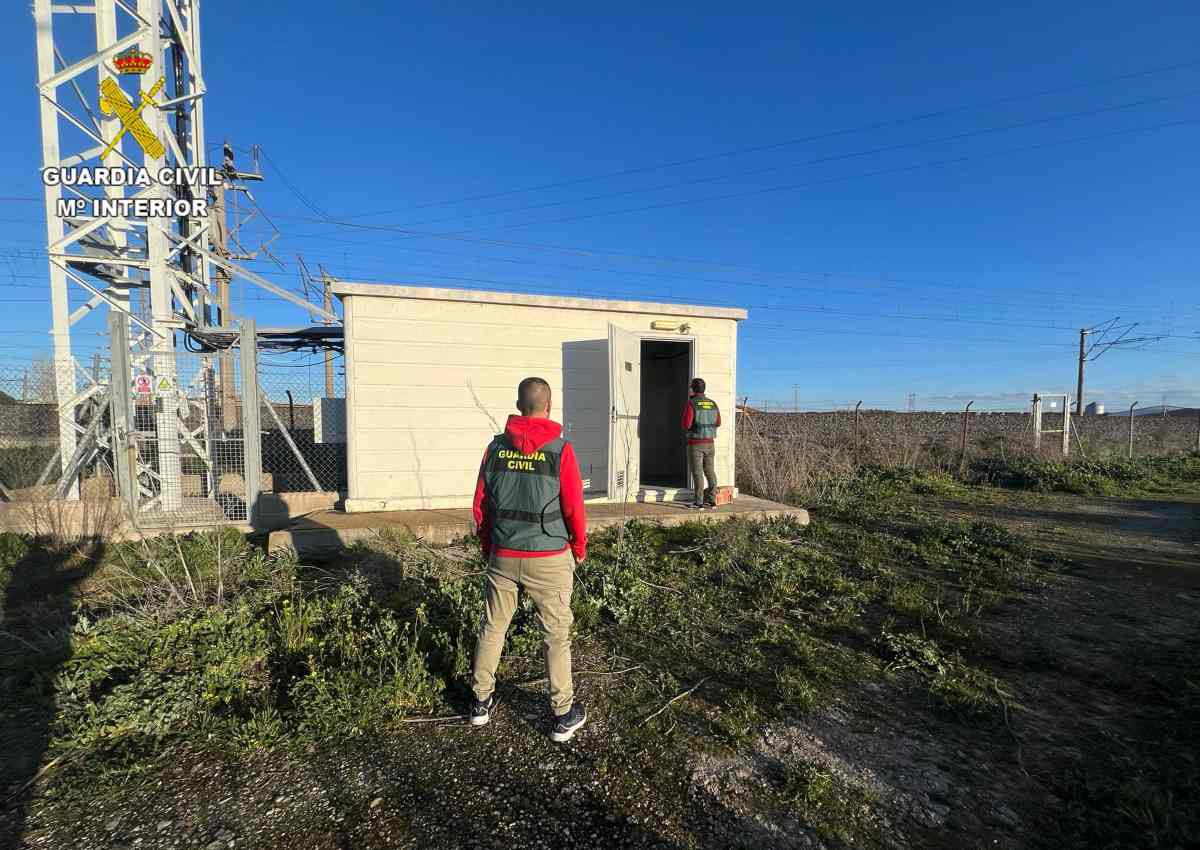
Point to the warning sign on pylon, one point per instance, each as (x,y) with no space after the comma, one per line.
(163,385)
(142,385)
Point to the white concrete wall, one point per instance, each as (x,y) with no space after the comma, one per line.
(429,381)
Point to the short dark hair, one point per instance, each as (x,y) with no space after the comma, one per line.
(533,396)
(698,385)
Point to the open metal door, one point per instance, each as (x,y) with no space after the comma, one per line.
(625,408)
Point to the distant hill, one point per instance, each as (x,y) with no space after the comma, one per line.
(5,398)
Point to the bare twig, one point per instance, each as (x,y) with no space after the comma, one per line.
(443,555)
(220,572)
(187,572)
(1016,738)
(496,429)
(684,550)
(586,673)
(674,700)
(658,586)
(445,719)
(46,769)
(18,639)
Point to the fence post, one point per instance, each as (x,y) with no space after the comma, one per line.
(1066,424)
(1131,407)
(121,417)
(1037,422)
(962,450)
(251,421)
(856,454)
(287,438)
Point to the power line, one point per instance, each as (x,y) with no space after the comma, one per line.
(462,236)
(877,282)
(883,282)
(794,307)
(786,306)
(862,128)
(304,199)
(790,187)
(1042,296)
(820,160)
(826,275)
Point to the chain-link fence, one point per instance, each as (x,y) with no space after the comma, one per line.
(185,449)
(303,417)
(32,428)
(163,435)
(947,440)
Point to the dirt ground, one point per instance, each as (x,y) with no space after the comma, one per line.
(1120,619)
(1087,658)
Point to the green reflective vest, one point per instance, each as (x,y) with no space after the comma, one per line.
(523,491)
(704,418)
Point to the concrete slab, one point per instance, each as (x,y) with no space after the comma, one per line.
(325,533)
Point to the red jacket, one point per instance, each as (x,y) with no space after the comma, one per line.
(529,434)
(689,416)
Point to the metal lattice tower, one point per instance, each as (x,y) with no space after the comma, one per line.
(112,256)
(168,258)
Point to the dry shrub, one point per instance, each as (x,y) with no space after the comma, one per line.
(900,446)
(776,460)
(161,576)
(67,522)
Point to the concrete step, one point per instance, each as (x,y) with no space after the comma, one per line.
(325,533)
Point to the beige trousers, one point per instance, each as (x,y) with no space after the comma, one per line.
(548,581)
(703,462)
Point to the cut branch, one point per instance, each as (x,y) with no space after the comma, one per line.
(674,700)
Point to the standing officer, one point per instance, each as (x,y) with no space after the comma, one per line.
(701,419)
(529,512)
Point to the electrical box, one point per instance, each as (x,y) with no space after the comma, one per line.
(329,420)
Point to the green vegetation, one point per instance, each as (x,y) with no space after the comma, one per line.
(1142,791)
(205,638)
(821,798)
(1105,476)
(110,656)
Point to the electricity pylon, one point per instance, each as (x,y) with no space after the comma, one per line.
(91,116)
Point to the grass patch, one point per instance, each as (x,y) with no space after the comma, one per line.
(1140,791)
(820,798)
(1103,476)
(113,656)
(205,636)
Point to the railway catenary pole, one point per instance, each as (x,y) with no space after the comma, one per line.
(1083,333)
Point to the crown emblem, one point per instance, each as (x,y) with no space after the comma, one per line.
(133,61)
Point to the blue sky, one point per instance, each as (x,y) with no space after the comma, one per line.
(953,256)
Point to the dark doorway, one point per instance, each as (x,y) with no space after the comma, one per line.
(666,370)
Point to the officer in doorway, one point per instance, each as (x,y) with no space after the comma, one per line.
(701,419)
(530,519)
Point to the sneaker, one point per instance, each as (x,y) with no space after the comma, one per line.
(566,724)
(481,712)
(696,505)
(710,506)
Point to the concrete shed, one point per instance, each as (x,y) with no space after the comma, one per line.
(431,377)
